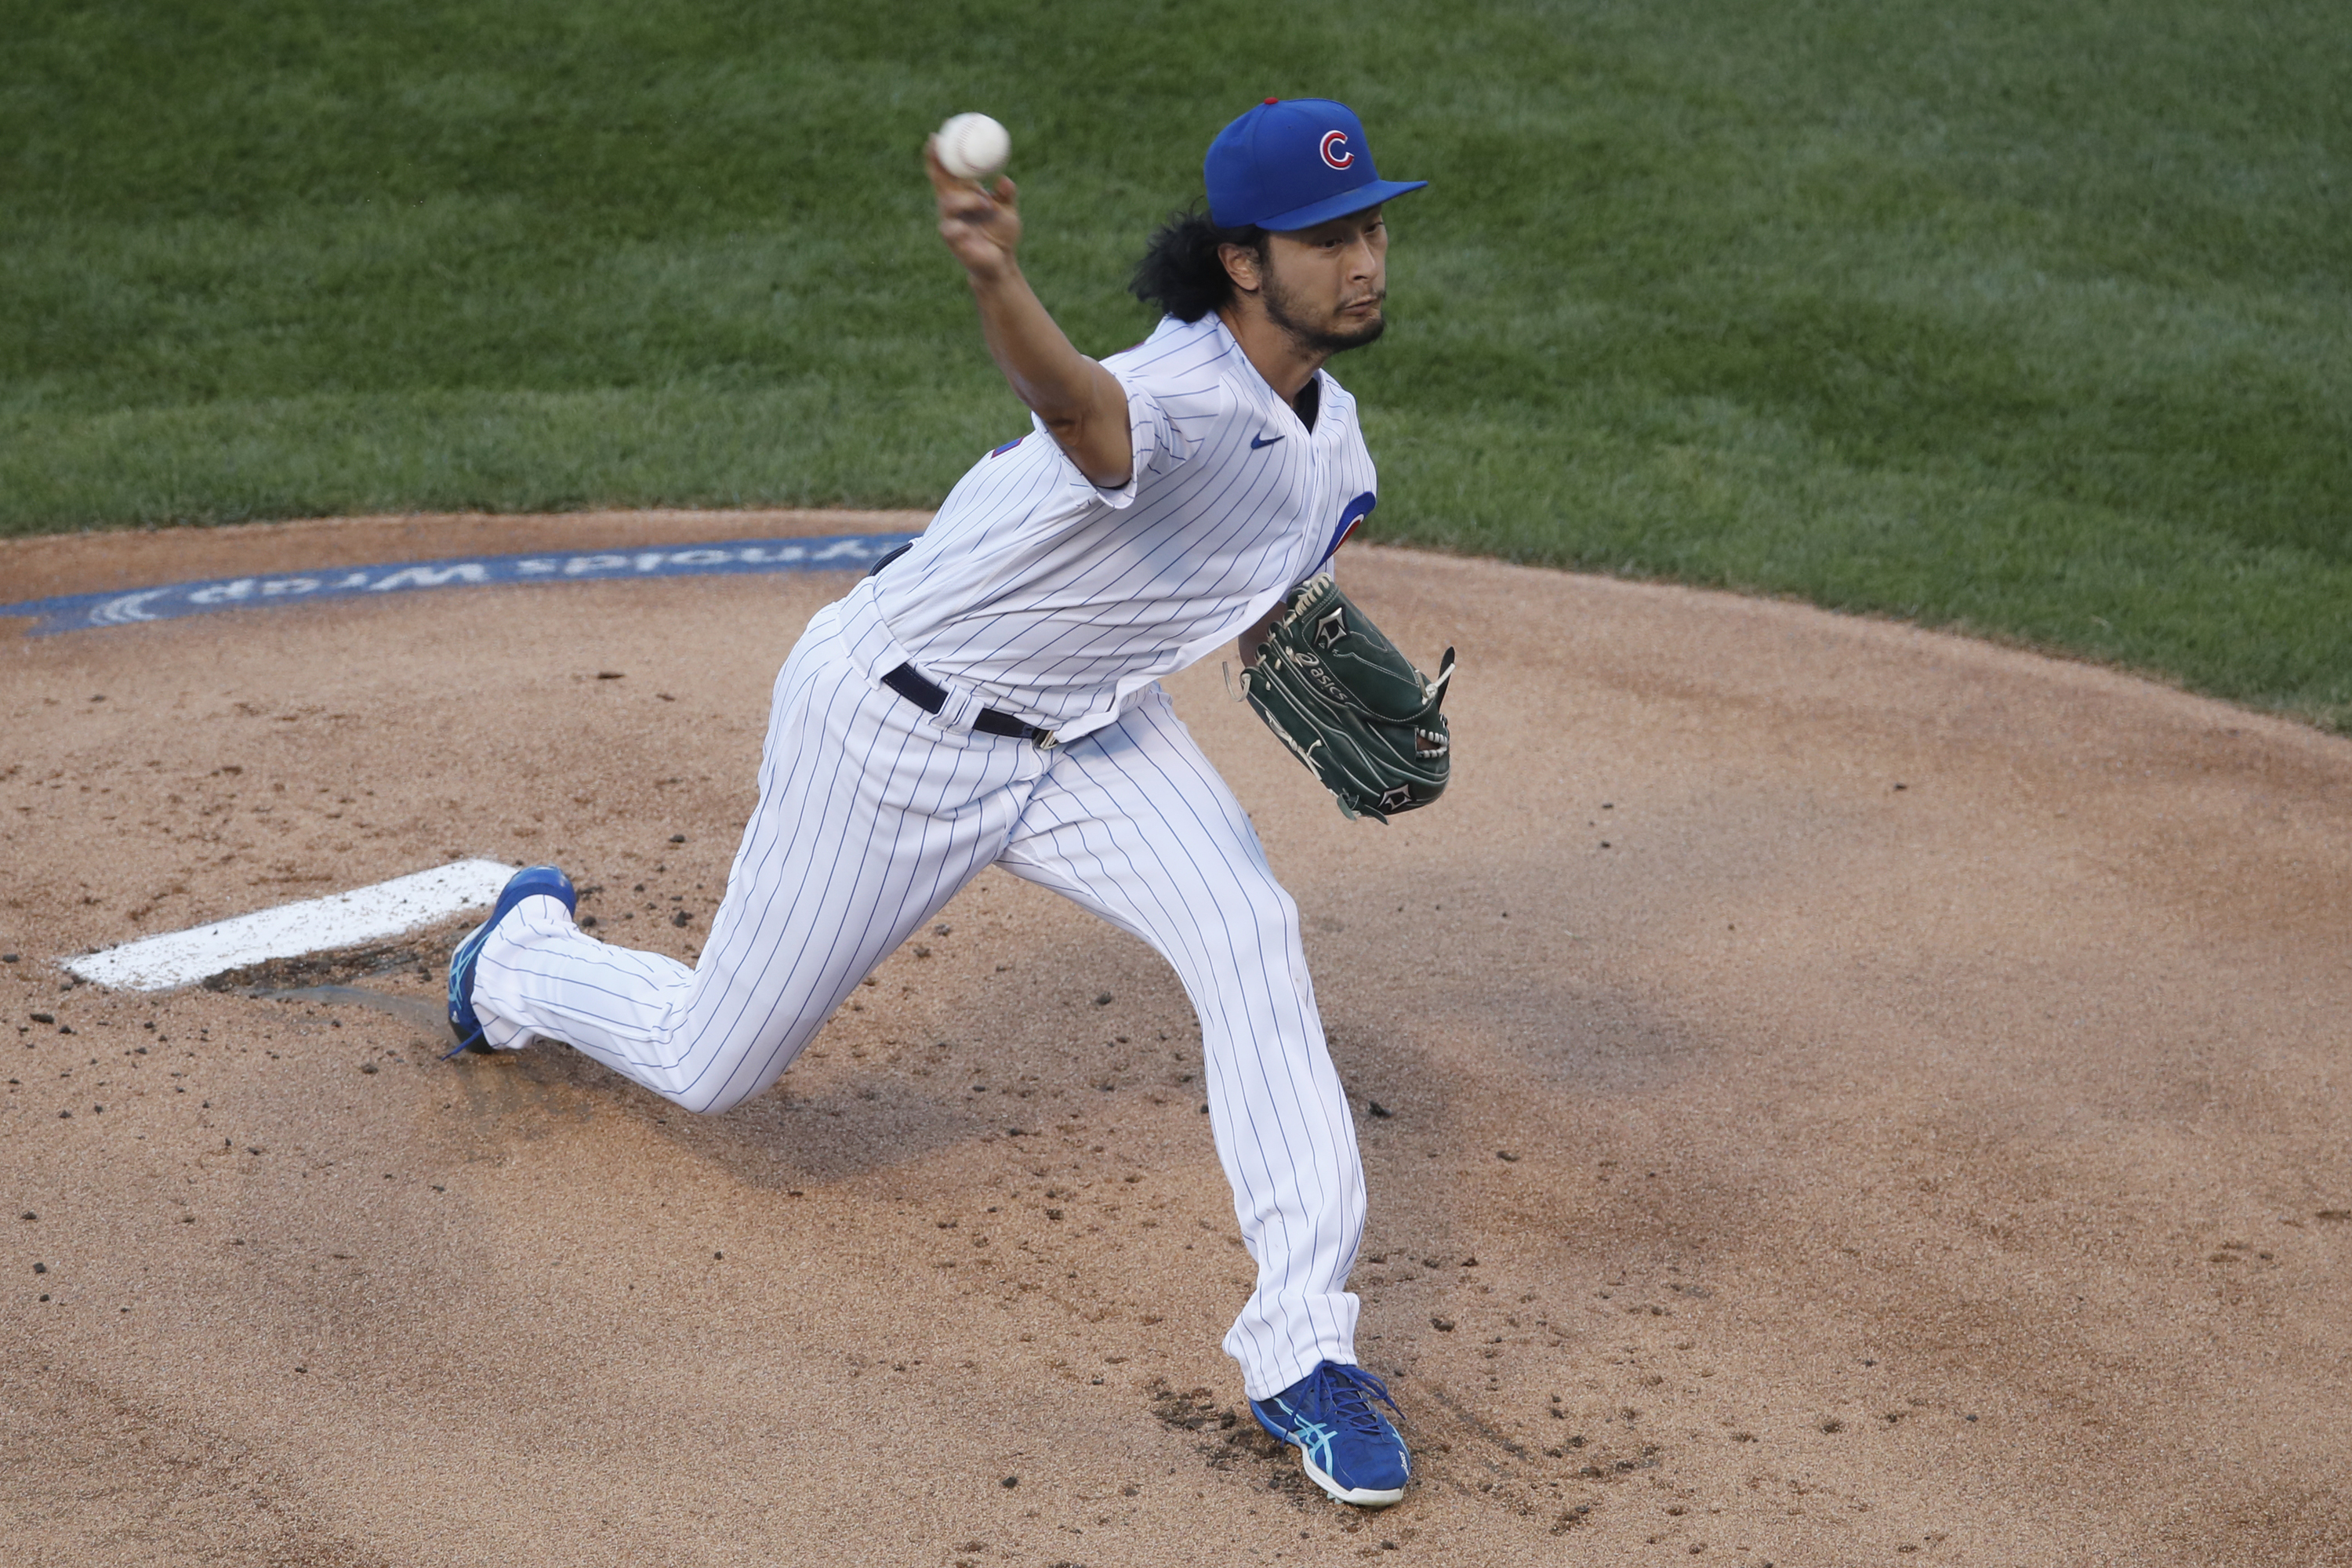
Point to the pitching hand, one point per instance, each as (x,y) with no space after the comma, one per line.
(1083,404)
(983,227)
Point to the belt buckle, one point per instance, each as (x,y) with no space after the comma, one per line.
(1047,739)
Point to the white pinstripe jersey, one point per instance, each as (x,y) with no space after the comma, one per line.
(1049,597)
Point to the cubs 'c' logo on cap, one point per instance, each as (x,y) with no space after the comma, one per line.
(1335,148)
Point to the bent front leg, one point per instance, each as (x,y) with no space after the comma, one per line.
(870,818)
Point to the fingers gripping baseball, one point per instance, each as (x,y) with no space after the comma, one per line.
(983,227)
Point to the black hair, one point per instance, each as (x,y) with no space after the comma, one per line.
(1181,272)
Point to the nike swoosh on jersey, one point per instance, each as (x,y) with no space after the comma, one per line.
(1257,441)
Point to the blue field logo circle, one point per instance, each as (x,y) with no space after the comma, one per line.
(724,558)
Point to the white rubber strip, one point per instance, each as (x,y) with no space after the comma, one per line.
(290,930)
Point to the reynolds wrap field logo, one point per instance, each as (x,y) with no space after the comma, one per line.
(836,552)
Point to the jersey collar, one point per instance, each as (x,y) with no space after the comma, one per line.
(1262,390)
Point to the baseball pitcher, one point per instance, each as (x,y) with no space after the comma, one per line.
(991,697)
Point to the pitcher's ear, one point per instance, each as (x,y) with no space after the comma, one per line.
(1241,266)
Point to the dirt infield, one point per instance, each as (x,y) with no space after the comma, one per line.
(1831,1094)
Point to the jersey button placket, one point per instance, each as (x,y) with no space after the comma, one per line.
(1321,518)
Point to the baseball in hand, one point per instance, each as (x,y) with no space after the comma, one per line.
(973,147)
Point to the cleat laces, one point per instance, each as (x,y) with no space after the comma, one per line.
(1349,1387)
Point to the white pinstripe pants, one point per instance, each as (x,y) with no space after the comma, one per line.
(871,815)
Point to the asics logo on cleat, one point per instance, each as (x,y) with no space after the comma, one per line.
(1347,1446)
(1316,1441)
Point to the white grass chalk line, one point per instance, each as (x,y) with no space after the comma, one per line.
(290,930)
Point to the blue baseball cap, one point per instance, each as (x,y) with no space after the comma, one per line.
(1291,164)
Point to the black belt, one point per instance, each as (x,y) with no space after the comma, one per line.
(911,684)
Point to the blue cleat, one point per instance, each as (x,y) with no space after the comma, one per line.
(535,882)
(1349,1448)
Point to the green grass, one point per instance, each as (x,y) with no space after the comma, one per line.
(2028,319)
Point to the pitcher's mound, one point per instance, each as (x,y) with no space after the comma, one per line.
(1830,1093)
